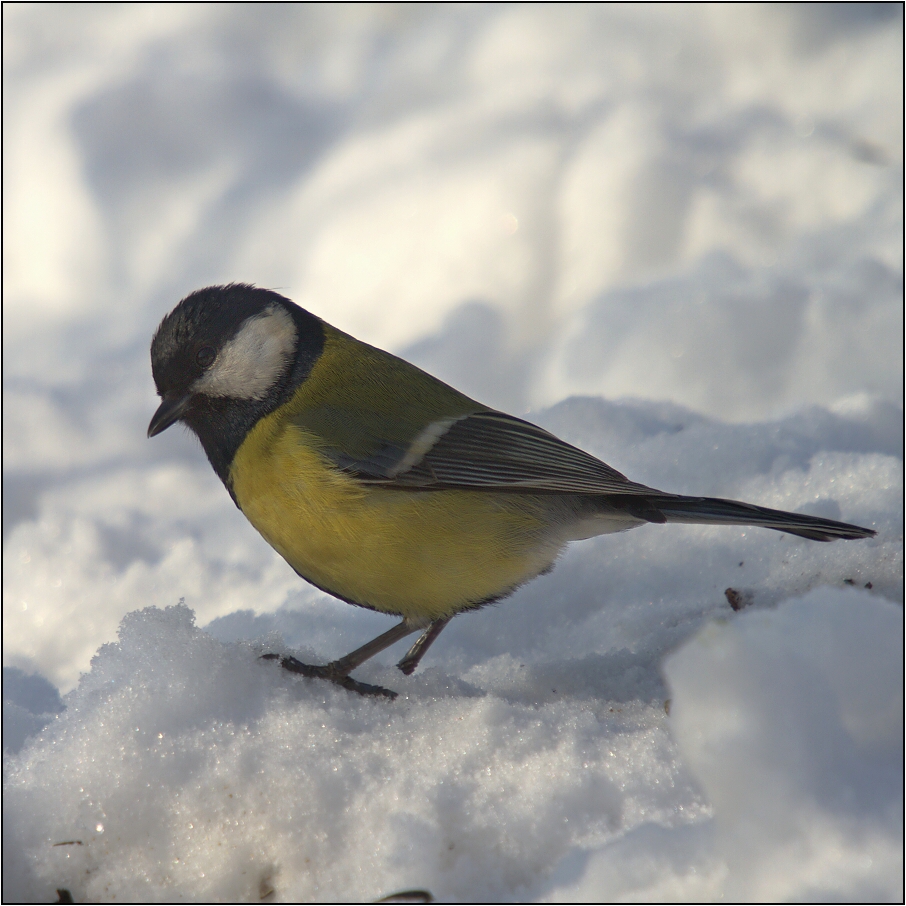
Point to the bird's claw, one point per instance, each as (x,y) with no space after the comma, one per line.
(325,671)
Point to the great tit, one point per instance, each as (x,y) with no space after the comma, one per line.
(382,485)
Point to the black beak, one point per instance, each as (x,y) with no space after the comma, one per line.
(168,412)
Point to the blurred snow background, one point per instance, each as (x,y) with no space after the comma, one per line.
(671,234)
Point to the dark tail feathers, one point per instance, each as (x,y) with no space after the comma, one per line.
(714,511)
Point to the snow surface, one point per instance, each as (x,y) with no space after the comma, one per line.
(670,234)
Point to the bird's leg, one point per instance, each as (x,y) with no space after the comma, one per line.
(422,644)
(345,665)
(338,671)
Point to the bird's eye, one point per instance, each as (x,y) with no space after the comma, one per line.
(205,356)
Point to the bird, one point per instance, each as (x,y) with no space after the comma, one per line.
(382,485)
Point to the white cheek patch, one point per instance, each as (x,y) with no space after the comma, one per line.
(253,361)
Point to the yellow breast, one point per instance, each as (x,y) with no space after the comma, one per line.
(420,554)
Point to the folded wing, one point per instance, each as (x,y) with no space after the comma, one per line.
(494,451)
(490,451)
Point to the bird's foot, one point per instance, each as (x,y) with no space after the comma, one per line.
(408,664)
(327,672)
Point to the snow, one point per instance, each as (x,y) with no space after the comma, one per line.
(671,235)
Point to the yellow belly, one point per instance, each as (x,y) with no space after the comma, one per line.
(422,555)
